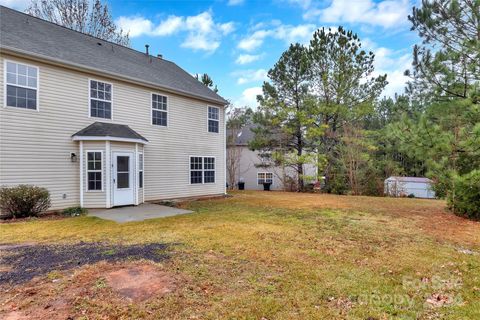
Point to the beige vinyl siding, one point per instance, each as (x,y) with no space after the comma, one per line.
(35,146)
(94,198)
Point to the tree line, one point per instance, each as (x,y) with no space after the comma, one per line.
(322,105)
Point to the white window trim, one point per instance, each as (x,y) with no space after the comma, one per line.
(265,173)
(26,87)
(86,171)
(203,170)
(167,111)
(140,169)
(208,119)
(90,99)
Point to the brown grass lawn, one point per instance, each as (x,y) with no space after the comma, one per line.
(268,255)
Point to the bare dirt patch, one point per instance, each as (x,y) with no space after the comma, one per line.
(141,282)
(83,292)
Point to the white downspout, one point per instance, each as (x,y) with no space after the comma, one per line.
(108,174)
(136,174)
(81,174)
(225,149)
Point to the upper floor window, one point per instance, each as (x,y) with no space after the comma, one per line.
(213,119)
(159,110)
(100,99)
(21,85)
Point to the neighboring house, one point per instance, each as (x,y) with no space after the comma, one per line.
(102,125)
(253,170)
(405,186)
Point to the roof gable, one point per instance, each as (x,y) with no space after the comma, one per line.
(29,35)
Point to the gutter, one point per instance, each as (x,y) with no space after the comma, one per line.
(112,75)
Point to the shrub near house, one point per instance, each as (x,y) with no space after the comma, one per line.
(23,201)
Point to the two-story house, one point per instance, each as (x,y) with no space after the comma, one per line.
(102,125)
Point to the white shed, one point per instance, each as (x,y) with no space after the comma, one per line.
(405,186)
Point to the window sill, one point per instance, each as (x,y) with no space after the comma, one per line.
(24,109)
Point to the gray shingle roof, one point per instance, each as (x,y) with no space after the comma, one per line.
(104,129)
(244,136)
(410,179)
(29,35)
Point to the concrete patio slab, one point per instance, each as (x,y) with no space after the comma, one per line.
(137,213)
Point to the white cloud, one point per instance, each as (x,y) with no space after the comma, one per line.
(387,13)
(235,2)
(169,26)
(291,34)
(15,4)
(249,97)
(287,33)
(395,75)
(247,76)
(254,41)
(390,62)
(248,58)
(202,32)
(135,26)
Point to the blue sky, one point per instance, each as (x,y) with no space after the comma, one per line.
(237,41)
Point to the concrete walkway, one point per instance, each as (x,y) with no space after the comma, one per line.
(136,213)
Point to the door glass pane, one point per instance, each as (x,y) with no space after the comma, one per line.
(122,163)
(123,175)
(123,180)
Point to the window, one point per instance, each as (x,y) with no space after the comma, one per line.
(202,170)
(209,170)
(196,169)
(213,119)
(21,85)
(159,110)
(100,99)
(94,170)
(264,177)
(140,170)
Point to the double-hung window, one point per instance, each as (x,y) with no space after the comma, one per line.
(208,170)
(196,170)
(21,85)
(100,99)
(202,170)
(94,170)
(213,119)
(264,177)
(140,170)
(159,110)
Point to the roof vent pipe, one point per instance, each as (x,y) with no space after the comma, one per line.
(159,56)
(146,49)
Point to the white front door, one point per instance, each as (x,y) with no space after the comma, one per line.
(123,191)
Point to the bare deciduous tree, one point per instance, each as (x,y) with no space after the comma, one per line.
(90,17)
(237,118)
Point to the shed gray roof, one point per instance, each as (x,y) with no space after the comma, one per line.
(104,129)
(409,179)
(26,34)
